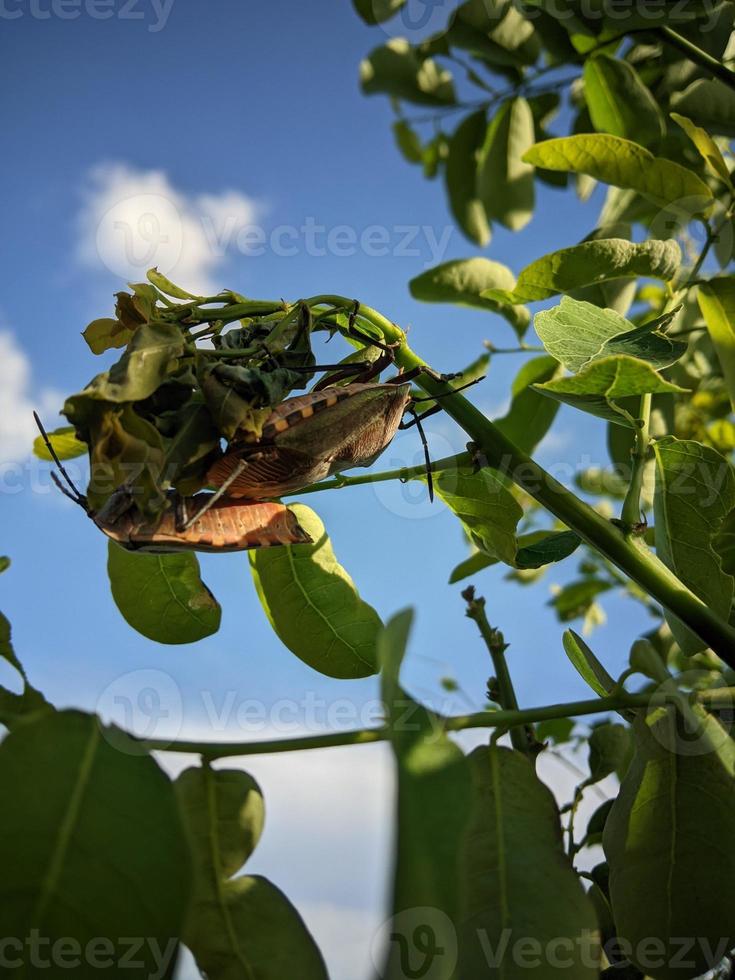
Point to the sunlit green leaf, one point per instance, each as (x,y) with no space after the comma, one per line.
(588,263)
(597,387)
(717,303)
(313,605)
(623,163)
(105,334)
(695,490)
(505,183)
(461,178)
(396,69)
(485,506)
(65,443)
(92,846)
(587,665)
(577,333)
(169,288)
(517,875)
(669,843)
(618,101)
(708,149)
(463,282)
(162,595)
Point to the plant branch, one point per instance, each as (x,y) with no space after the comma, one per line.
(698,55)
(404,474)
(520,737)
(364,736)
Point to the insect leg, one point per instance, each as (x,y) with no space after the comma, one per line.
(217,495)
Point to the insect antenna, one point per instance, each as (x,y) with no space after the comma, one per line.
(239,468)
(427,457)
(446,394)
(72,493)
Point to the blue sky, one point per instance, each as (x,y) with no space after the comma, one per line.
(226,115)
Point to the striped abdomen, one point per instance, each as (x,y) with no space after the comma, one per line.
(227,526)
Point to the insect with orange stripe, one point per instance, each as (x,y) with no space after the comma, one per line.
(221,526)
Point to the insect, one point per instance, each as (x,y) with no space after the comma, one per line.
(224,525)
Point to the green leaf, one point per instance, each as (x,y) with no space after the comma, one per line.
(669,843)
(396,69)
(574,600)
(588,263)
(105,334)
(487,509)
(461,178)
(65,443)
(717,303)
(577,333)
(597,386)
(546,548)
(530,415)
(695,491)
(618,101)
(377,11)
(92,846)
(162,595)
(4,563)
(6,646)
(708,149)
(253,930)
(518,879)
(504,182)
(241,927)
(169,288)
(464,281)
(434,798)
(709,103)
(610,751)
(408,142)
(495,33)
(150,356)
(225,813)
(477,562)
(313,605)
(622,163)
(587,665)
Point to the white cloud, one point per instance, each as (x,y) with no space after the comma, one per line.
(132,220)
(18,399)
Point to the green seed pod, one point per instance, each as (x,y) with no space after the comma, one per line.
(670,844)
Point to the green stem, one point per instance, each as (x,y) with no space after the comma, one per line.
(626,551)
(496,645)
(404,474)
(363,736)
(631,511)
(698,56)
